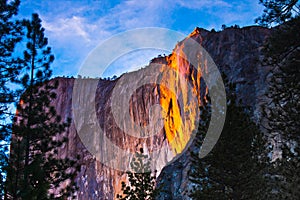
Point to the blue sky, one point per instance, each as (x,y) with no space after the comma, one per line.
(75,28)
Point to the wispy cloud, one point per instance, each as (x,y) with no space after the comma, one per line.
(75,31)
(76,27)
(126,15)
(136,13)
(203,4)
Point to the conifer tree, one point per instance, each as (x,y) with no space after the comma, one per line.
(141,182)
(278,11)
(35,170)
(10,35)
(282,52)
(233,169)
(283,112)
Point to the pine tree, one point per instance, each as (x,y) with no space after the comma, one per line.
(141,182)
(282,51)
(278,11)
(283,112)
(35,171)
(234,168)
(10,35)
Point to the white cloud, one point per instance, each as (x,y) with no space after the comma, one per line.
(202,4)
(136,13)
(74,26)
(126,15)
(75,30)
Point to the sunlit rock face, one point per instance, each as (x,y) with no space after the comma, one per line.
(235,51)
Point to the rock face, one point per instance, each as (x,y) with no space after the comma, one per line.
(236,52)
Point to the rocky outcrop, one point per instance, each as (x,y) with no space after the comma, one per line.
(235,51)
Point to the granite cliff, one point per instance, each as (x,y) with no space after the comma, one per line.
(236,52)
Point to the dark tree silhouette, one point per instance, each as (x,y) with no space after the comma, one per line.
(282,52)
(141,182)
(35,170)
(234,168)
(278,11)
(10,35)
